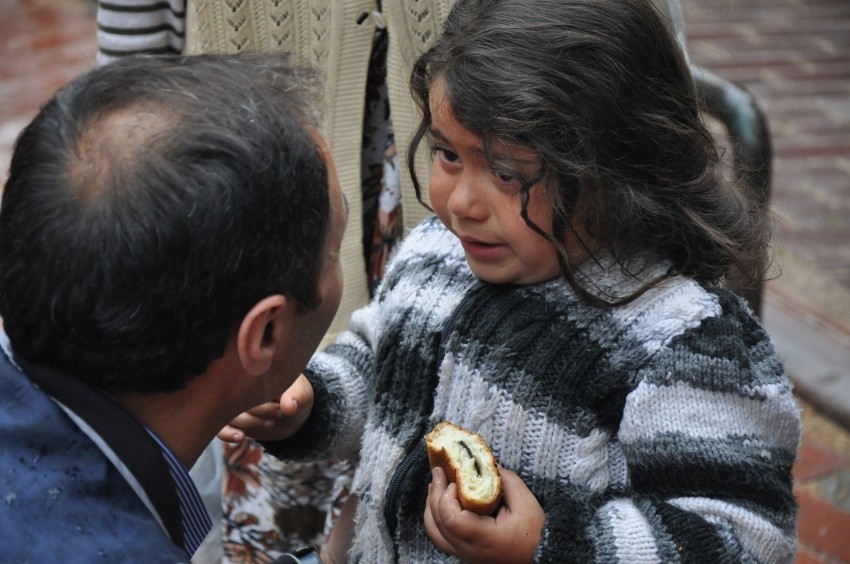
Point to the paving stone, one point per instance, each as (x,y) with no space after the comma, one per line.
(815,460)
(835,487)
(806,557)
(823,527)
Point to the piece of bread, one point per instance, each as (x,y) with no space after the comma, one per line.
(468,462)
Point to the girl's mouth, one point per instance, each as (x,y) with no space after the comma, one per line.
(481,250)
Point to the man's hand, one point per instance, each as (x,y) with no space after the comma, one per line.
(273,420)
(511,536)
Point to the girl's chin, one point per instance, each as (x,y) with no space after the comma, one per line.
(495,276)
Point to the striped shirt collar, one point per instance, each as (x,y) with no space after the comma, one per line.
(195,518)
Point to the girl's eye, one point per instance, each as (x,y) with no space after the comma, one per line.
(447,156)
(506,179)
(442,153)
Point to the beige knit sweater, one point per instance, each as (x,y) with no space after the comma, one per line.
(335,37)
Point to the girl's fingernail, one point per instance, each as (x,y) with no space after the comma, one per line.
(268,423)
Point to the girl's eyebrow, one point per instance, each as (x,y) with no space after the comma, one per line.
(506,156)
(436,135)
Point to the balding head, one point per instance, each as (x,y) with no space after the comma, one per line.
(149,205)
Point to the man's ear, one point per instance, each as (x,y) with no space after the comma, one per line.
(262,330)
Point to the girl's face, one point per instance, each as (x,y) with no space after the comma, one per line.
(478,200)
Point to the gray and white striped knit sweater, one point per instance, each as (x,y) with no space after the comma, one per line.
(660,431)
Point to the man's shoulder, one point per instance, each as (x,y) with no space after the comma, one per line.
(63,499)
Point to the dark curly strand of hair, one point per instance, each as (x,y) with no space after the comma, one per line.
(602,92)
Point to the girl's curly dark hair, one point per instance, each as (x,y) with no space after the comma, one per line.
(602,92)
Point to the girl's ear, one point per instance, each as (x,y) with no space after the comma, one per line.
(263,329)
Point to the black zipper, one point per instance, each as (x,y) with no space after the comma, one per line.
(417,449)
(392,500)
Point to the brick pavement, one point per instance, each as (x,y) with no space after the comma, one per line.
(822,487)
(793,54)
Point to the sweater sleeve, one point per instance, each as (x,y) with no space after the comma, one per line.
(709,435)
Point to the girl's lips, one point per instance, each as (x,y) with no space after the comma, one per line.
(482,251)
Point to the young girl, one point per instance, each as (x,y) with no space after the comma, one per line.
(566,302)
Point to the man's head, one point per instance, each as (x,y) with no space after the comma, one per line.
(150,205)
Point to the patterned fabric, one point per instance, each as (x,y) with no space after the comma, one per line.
(271,507)
(381,178)
(663,430)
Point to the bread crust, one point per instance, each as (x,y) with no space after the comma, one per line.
(482,503)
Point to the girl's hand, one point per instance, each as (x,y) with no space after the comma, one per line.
(273,420)
(511,536)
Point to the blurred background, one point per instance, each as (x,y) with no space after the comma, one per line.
(794,57)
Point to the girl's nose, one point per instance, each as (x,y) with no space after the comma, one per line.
(465,200)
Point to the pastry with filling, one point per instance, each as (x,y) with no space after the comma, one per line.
(468,462)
